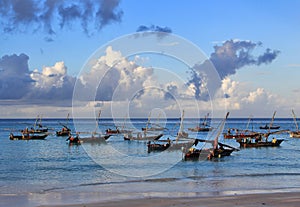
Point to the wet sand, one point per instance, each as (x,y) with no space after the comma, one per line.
(290,199)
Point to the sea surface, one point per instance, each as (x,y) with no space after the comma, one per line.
(50,171)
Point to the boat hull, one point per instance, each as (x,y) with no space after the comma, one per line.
(28,137)
(244,144)
(295,134)
(207,154)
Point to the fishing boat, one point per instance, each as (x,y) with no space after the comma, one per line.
(153,127)
(203,127)
(65,131)
(235,133)
(271,126)
(28,136)
(218,149)
(73,140)
(247,143)
(152,146)
(162,145)
(142,136)
(94,136)
(295,134)
(37,128)
(110,131)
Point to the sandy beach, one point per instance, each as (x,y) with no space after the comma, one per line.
(290,199)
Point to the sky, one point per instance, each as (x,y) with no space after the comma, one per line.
(129,57)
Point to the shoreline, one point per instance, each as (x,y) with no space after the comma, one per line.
(286,199)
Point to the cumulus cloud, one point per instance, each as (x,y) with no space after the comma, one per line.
(244,101)
(115,77)
(227,59)
(18,82)
(51,15)
(53,83)
(15,81)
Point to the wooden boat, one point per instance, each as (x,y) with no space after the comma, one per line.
(182,145)
(73,140)
(95,136)
(218,150)
(27,136)
(203,127)
(140,137)
(239,134)
(295,134)
(271,126)
(110,131)
(65,131)
(153,127)
(38,128)
(246,143)
(196,154)
(152,146)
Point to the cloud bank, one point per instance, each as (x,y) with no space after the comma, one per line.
(50,16)
(124,82)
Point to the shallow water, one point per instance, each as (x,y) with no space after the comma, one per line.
(49,171)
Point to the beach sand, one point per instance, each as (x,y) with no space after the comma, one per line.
(290,199)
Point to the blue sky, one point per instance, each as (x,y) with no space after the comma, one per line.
(204,23)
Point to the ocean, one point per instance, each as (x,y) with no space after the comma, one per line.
(50,171)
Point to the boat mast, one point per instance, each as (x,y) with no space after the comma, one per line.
(216,141)
(250,118)
(295,120)
(181,122)
(205,120)
(149,116)
(271,124)
(35,123)
(97,124)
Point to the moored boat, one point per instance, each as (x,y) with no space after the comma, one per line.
(203,127)
(216,151)
(28,136)
(271,126)
(140,137)
(295,134)
(247,143)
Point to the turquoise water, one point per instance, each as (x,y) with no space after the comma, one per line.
(38,172)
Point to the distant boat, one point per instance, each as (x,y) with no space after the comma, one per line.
(153,127)
(158,146)
(95,136)
(28,136)
(218,149)
(118,130)
(271,126)
(141,137)
(204,127)
(65,131)
(247,143)
(295,134)
(234,133)
(154,146)
(37,128)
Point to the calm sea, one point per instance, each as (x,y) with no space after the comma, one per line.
(49,171)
